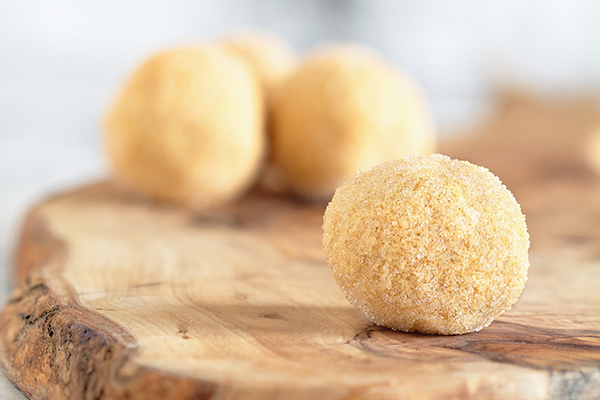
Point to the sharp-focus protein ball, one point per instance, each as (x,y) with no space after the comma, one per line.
(427,244)
(188,127)
(343,110)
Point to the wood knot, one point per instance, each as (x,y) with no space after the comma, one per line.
(271,316)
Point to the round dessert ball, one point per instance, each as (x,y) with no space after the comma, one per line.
(344,109)
(272,60)
(269,56)
(188,127)
(592,150)
(427,244)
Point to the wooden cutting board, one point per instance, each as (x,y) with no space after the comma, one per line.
(120,298)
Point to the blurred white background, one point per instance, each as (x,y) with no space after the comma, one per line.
(62,61)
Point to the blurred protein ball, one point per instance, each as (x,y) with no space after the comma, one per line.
(188,127)
(272,59)
(343,110)
(593,150)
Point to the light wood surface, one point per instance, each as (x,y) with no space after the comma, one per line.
(120,298)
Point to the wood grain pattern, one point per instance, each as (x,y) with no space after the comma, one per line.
(119,298)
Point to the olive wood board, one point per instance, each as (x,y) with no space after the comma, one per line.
(120,298)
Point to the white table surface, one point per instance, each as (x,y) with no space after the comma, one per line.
(8,391)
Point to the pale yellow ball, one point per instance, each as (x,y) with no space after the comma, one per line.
(271,58)
(188,127)
(343,110)
(592,150)
(427,244)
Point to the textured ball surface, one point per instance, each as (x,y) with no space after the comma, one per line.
(343,110)
(188,127)
(427,244)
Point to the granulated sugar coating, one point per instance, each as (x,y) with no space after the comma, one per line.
(427,244)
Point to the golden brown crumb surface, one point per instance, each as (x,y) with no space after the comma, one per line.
(345,109)
(188,127)
(427,244)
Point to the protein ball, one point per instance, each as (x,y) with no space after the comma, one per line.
(272,60)
(188,127)
(427,244)
(592,150)
(343,110)
(269,56)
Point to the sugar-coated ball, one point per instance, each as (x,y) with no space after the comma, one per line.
(188,127)
(427,244)
(344,109)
